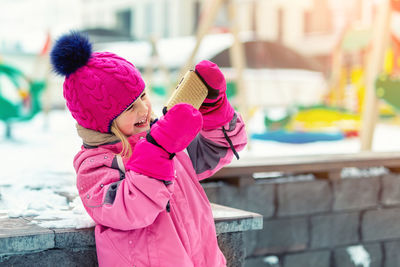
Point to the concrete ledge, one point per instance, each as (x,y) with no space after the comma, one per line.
(229,220)
(17,235)
(19,238)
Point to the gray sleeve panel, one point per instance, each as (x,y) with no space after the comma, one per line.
(111,193)
(205,154)
(232,123)
(114,165)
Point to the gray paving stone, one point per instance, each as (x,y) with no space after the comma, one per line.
(266,261)
(250,241)
(381,224)
(258,197)
(334,229)
(212,190)
(306,197)
(391,190)
(54,257)
(392,255)
(343,258)
(309,259)
(282,235)
(355,193)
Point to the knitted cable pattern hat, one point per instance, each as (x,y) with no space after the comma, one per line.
(98,87)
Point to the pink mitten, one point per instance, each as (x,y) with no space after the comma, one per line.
(172,133)
(216,109)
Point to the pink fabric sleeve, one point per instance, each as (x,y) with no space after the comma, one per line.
(127,204)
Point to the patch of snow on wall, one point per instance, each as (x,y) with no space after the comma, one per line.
(271,260)
(359,256)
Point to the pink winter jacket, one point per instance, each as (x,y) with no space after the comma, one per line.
(141,221)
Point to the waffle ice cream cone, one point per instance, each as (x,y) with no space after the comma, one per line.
(190,90)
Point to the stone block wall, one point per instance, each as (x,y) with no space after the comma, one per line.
(311,222)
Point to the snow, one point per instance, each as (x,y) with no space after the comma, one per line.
(38,180)
(37,177)
(359,256)
(271,260)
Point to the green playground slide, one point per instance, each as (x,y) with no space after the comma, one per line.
(29,103)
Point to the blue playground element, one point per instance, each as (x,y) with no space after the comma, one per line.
(298,137)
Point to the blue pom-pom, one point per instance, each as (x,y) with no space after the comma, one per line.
(70,52)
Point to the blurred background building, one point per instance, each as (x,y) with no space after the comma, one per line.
(310,27)
(297,53)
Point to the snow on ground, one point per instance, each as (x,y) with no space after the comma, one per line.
(37,177)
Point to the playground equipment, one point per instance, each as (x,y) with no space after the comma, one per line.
(306,121)
(19,96)
(324,119)
(388,89)
(360,55)
(380,33)
(298,137)
(208,18)
(387,85)
(311,124)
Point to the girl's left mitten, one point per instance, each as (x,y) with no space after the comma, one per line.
(216,109)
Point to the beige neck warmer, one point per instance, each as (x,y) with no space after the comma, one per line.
(94,138)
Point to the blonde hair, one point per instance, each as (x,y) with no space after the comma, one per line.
(126,151)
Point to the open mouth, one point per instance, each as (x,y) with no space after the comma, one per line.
(141,123)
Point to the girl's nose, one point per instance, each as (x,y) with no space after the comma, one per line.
(142,107)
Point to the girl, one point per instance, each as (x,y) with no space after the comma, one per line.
(138,179)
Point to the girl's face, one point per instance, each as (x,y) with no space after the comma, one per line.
(136,118)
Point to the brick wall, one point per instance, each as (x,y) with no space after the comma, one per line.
(310,222)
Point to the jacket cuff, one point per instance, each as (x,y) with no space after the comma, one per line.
(152,161)
(214,118)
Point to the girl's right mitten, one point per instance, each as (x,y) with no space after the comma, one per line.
(172,133)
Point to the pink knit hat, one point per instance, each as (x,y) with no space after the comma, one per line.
(98,87)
